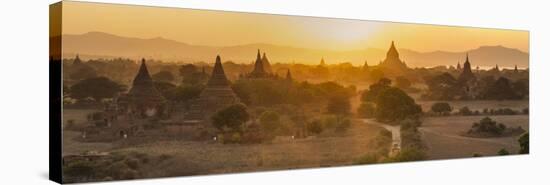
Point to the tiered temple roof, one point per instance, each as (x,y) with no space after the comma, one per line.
(392,60)
(143,91)
(216,95)
(467,70)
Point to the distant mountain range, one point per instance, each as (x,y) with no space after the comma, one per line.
(104,45)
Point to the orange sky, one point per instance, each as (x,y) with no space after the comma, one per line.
(217,28)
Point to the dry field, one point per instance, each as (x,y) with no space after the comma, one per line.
(442,136)
(70,146)
(210,157)
(192,157)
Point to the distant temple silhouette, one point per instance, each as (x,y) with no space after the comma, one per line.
(143,98)
(262,68)
(216,95)
(393,63)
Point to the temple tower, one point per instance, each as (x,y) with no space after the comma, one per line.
(266,64)
(392,61)
(143,98)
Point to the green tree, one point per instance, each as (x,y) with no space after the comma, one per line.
(185,93)
(524,143)
(443,87)
(165,88)
(231,118)
(270,121)
(393,104)
(441,108)
(97,88)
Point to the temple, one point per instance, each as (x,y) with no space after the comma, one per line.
(143,99)
(262,68)
(216,95)
(467,74)
(392,61)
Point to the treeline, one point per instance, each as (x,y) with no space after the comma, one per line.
(446,87)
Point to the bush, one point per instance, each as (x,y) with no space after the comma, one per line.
(465,111)
(442,108)
(366,110)
(409,154)
(503,152)
(524,143)
(370,158)
(314,127)
(477,155)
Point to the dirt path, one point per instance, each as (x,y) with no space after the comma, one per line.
(395,132)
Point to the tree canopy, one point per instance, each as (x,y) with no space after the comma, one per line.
(98,88)
(231,118)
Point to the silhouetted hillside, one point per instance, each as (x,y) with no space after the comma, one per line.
(98,44)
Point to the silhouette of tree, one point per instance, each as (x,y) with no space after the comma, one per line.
(270,121)
(231,118)
(393,104)
(163,76)
(524,143)
(441,108)
(97,88)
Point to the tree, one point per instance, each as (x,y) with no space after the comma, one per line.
(191,75)
(366,110)
(501,90)
(443,87)
(393,104)
(314,127)
(270,121)
(465,111)
(441,108)
(185,93)
(402,83)
(524,143)
(231,118)
(339,105)
(375,89)
(503,152)
(167,89)
(97,88)
(163,76)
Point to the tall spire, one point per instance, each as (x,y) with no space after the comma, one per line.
(366,65)
(258,65)
(77,60)
(322,61)
(467,70)
(515,68)
(496,67)
(218,77)
(143,89)
(288,75)
(266,64)
(458,66)
(392,52)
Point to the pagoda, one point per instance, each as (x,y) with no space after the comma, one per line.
(216,95)
(393,62)
(262,68)
(467,74)
(143,98)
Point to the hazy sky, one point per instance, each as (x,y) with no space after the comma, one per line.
(216,28)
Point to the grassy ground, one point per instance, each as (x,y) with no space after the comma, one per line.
(212,157)
(442,135)
(302,153)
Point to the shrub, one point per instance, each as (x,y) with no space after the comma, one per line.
(465,111)
(503,152)
(409,154)
(442,108)
(366,110)
(524,143)
(132,163)
(314,127)
(370,158)
(477,155)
